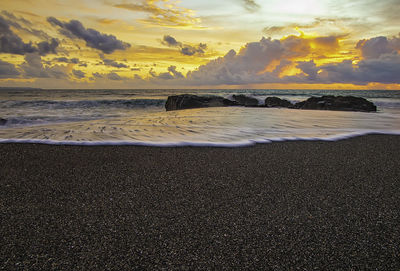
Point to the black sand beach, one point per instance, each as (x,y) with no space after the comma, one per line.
(281,206)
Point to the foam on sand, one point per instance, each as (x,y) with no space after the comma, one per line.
(242,143)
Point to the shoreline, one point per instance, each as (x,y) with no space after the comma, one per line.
(282,205)
(244,143)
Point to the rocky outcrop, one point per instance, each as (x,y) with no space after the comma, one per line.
(244,100)
(277,102)
(340,103)
(3,121)
(187,101)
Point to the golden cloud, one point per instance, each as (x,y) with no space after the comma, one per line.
(164,13)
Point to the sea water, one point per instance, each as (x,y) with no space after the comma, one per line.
(138,117)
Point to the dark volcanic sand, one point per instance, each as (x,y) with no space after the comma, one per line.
(291,205)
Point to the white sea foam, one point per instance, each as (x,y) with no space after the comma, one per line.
(243,143)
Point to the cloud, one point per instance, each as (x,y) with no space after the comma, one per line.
(114,76)
(78,74)
(272,30)
(171,74)
(263,62)
(67,60)
(23,24)
(334,24)
(189,50)
(13,44)
(93,38)
(309,68)
(110,77)
(316,46)
(162,76)
(34,68)
(97,75)
(53,21)
(174,72)
(185,49)
(384,69)
(11,16)
(244,66)
(171,41)
(378,46)
(112,63)
(45,47)
(106,21)
(163,13)
(281,66)
(10,42)
(251,5)
(8,70)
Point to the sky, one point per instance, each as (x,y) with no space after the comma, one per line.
(301,44)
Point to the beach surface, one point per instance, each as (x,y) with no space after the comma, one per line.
(282,206)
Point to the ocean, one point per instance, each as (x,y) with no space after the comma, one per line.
(138,117)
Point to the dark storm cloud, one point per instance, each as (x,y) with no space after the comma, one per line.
(13,44)
(185,49)
(93,38)
(8,70)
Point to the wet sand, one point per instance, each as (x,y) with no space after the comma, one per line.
(289,205)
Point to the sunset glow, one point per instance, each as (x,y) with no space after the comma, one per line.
(200,44)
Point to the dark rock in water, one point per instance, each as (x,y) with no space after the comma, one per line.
(245,100)
(340,103)
(277,102)
(188,101)
(3,121)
